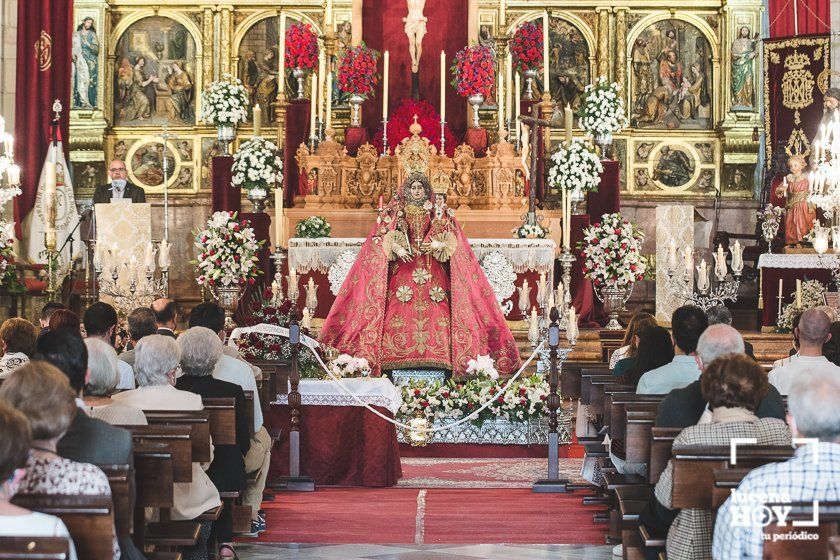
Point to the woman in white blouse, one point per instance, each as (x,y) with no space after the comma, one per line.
(15,442)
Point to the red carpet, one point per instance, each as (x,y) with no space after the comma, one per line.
(485,451)
(451,516)
(427,472)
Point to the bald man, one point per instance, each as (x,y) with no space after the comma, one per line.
(812,332)
(119,187)
(166,316)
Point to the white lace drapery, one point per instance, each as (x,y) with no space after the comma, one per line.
(524,254)
(374,391)
(774,260)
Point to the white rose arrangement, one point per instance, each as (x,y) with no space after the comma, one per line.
(602,110)
(257,165)
(349,366)
(575,167)
(224,102)
(483,366)
(530,231)
(313,227)
(227,252)
(612,252)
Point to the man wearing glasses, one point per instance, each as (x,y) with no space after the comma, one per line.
(119,188)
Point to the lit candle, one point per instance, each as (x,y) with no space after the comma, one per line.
(561,296)
(721,260)
(737,257)
(163,254)
(13,173)
(293,282)
(569,123)
(386,61)
(313,106)
(798,293)
(322,69)
(257,119)
(702,275)
(545,51)
(672,255)
(688,260)
(443,86)
(328,97)
(278,218)
(533,326)
(281,82)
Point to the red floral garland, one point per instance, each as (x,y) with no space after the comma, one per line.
(427,117)
(527,47)
(301,47)
(474,71)
(357,73)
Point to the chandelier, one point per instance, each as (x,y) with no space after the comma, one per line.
(9,171)
(824,178)
(707,292)
(131,284)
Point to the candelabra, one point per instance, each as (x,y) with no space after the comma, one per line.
(705,294)
(9,171)
(131,285)
(385,137)
(824,178)
(820,244)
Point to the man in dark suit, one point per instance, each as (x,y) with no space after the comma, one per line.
(119,187)
(166,316)
(88,440)
(720,315)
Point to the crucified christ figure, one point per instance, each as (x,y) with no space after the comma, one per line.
(415,28)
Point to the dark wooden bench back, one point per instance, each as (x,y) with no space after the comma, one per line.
(586,374)
(197,420)
(222,419)
(661,441)
(34,548)
(249,410)
(177,439)
(153,475)
(121,480)
(89,519)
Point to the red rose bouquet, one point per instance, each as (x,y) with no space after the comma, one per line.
(357,72)
(474,71)
(527,47)
(301,47)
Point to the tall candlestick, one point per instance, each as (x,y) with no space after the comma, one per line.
(545,51)
(509,87)
(386,61)
(515,114)
(281,81)
(313,109)
(688,261)
(257,119)
(51,193)
(565,218)
(569,123)
(781,287)
(328,95)
(443,86)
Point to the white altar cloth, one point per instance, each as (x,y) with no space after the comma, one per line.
(524,254)
(801,260)
(375,391)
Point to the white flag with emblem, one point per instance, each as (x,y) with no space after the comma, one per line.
(66,215)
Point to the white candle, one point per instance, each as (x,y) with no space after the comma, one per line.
(149,257)
(163,255)
(568,212)
(571,328)
(509,87)
(328,96)
(781,287)
(541,290)
(533,326)
(257,119)
(721,260)
(672,255)
(737,257)
(313,106)
(798,293)
(281,82)
(322,69)
(386,61)
(688,261)
(702,275)
(275,288)
(515,114)
(278,218)
(500,100)
(545,51)
(561,296)
(502,15)
(443,86)
(569,123)
(293,282)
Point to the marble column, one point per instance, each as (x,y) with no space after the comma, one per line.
(673,221)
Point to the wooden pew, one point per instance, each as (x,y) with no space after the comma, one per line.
(89,519)
(249,411)
(176,438)
(121,480)
(198,422)
(275,377)
(32,548)
(776,547)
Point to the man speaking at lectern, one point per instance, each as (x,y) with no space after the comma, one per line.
(119,186)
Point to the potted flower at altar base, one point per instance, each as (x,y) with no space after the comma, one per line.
(530,231)
(224,104)
(346,365)
(474,76)
(227,259)
(257,169)
(526,47)
(602,112)
(313,227)
(357,76)
(301,53)
(612,259)
(813,295)
(575,168)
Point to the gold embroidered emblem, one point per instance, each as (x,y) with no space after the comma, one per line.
(404,294)
(421,276)
(437,294)
(797,83)
(43,51)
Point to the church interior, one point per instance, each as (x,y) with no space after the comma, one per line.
(419,279)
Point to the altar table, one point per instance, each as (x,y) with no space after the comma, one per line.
(788,268)
(341,442)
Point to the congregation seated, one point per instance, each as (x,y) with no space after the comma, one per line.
(720,315)
(100,320)
(813,473)
(15,445)
(684,407)
(141,322)
(831,348)
(65,319)
(236,370)
(43,395)
(102,383)
(17,340)
(46,313)
(155,365)
(655,351)
(627,353)
(813,333)
(166,316)
(687,323)
(733,385)
(201,350)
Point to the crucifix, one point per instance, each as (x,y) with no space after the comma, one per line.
(534,124)
(415,28)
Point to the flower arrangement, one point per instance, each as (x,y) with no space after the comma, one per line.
(473,71)
(530,231)
(483,366)
(575,166)
(602,110)
(813,295)
(612,252)
(227,252)
(770,218)
(9,277)
(525,399)
(267,347)
(526,45)
(312,227)
(348,366)
(224,102)
(357,72)
(301,47)
(257,165)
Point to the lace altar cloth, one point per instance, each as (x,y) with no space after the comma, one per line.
(524,254)
(374,391)
(774,260)
(499,431)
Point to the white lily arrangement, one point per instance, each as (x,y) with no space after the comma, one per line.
(483,366)
(349,366)
(612,252)
(224,102)
(227,252)
(602,110)
(257,165)
(575,166)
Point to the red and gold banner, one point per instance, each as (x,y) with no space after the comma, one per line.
(796,76)
(44,42)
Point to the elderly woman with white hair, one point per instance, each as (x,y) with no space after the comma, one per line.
(155,365)
(102,383)
(200,350)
